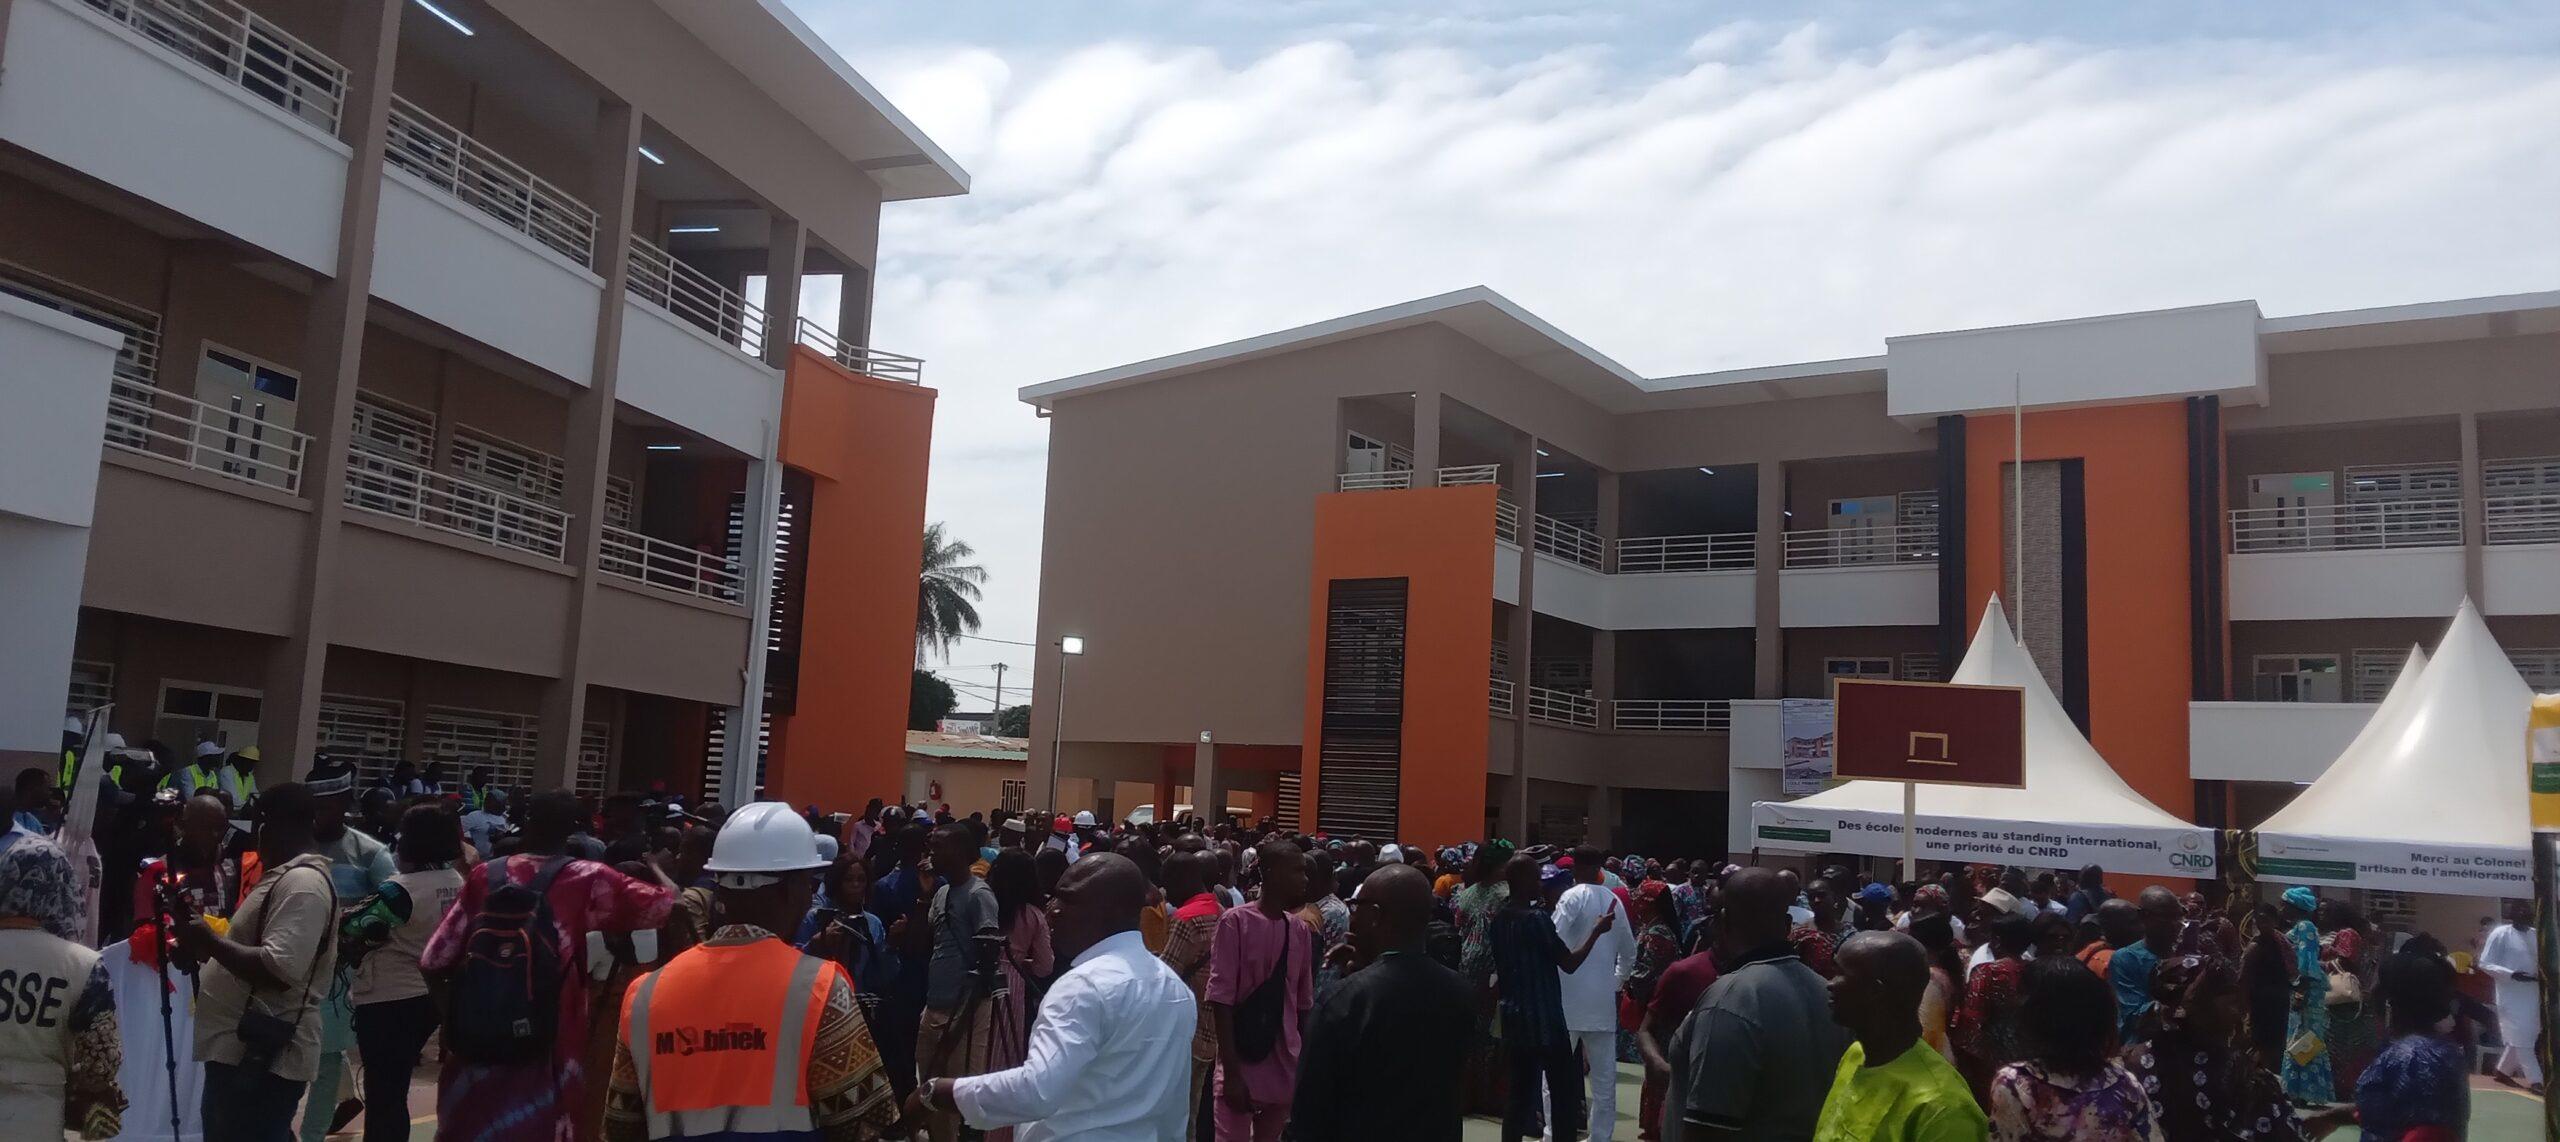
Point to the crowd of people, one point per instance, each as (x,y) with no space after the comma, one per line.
(646,969)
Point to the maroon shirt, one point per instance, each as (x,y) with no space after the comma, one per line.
(1677,992)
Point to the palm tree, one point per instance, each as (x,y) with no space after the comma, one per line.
(945,594)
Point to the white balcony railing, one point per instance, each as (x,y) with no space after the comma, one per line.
(2522,517)
(467,169)
(862,359)
(1672,715)
(2388,525)
(1563,708)
(1861,546)
(659,279)
(1730,551)
(659,563)
(1555,537)
(455,506)
(1465,474)
(1506,520)
(228,439)
(1374,481)
(243,48)
(1501,698)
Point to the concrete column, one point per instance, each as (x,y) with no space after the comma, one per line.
(2475,513)
(1600,811)
(785,247)
(853,306)
(413,717)
(590,444)
(1524,475)
(1206,798)
(1608,498)
(447,366)
(333,343)
(1604,675)
(1769,558)
(1426,438)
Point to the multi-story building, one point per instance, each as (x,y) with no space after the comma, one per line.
(434,374)
(1370,572)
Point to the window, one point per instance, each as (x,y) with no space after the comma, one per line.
(200,711)
(1921,666)
(93,684)
(2297,678)
(367,732)
(1857,668)
(1372,455)
(1014,796)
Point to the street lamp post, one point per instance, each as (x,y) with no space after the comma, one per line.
(1069,646)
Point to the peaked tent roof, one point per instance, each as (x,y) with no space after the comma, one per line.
(2430,797)
(2073,810)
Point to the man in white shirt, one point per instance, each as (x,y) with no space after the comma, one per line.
(1110,1054)
(2510,956)
(1591,990)
(484,825)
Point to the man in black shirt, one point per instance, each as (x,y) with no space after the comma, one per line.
(1385,1049)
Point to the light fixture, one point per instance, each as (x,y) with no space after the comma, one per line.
(1542,452)
(1789,515)
(1071,644)
(693,229)
(447,17)
(1706,471)
(1546,475)
(652,156)
(666,448)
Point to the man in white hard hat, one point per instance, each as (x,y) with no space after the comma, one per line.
(742,1036)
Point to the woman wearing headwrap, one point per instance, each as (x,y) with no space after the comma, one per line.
(57,1071)
(2307,1075)
(1657,945)
(1476,903)
(2202,1085)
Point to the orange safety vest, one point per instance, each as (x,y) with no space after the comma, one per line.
(720,1039)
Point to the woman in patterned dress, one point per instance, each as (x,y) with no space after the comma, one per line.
(2307,1077)
(2351,945)
(2204,1085)
(2070,1089)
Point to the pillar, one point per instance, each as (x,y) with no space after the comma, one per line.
(1768,562)
(2475,513)
(1524,476)
(1426,438)
(1604,676)
(1205,795)
(785,249)
(590,444)
(1600,817)
(333,342)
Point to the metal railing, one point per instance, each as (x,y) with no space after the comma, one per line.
(860,358)
(423,496)
(228,439)
(1729,551)
(1465,474)
(498,186)
(2387,525)
(1861,546)
(1502,697)
(1555,537)
(2521,517)
(648,559)
(1373,481)
(1506,520)
(659,279)
(1672,715)
(1563,708)
(242,47)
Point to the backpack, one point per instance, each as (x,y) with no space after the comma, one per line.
(504,1006)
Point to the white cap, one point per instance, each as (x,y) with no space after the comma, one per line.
(1391,854)
(73,726)
(208,749)
(760,840)
(826,848)
(115,741)
(1084,818)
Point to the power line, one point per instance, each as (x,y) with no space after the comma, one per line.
(1005,641)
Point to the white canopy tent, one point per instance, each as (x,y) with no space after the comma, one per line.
(2073,810)
(2430,797)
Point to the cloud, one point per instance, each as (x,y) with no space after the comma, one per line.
(1765,192)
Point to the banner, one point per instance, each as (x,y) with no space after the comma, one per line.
(2542,761)
(1805,728)
(2136,849)
(2355,862)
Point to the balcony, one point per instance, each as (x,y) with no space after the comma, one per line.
(648,560)
(1660,554)
(2521,517)
(1503,697)
(861,359)
(2389,559)
(385,486)
(1857,577)
(690,353)
(1394,481)
(1861,547)
(1672,715)
(199,106)
(231,440)
(692,296)
(1568,542)
(1563,708)
(2391,525)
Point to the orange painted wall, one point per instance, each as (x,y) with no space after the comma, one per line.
(2135,487)
(865,443)
(1441,541)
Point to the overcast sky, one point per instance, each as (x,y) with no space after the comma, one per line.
(1683,186)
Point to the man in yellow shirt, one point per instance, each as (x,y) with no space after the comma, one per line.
(1891,1087)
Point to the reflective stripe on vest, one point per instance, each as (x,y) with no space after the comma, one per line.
(720,1039)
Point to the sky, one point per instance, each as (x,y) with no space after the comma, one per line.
(1683,186)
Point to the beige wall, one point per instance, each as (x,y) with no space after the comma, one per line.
(183,546)
(1626,760)
(1815,427)
(147,652)
(1807,647)
(969,784)
(2334,449)
(401,593)
(655,643)
(2403,382)
(1813,484)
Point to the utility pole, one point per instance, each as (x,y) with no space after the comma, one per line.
(997,719)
